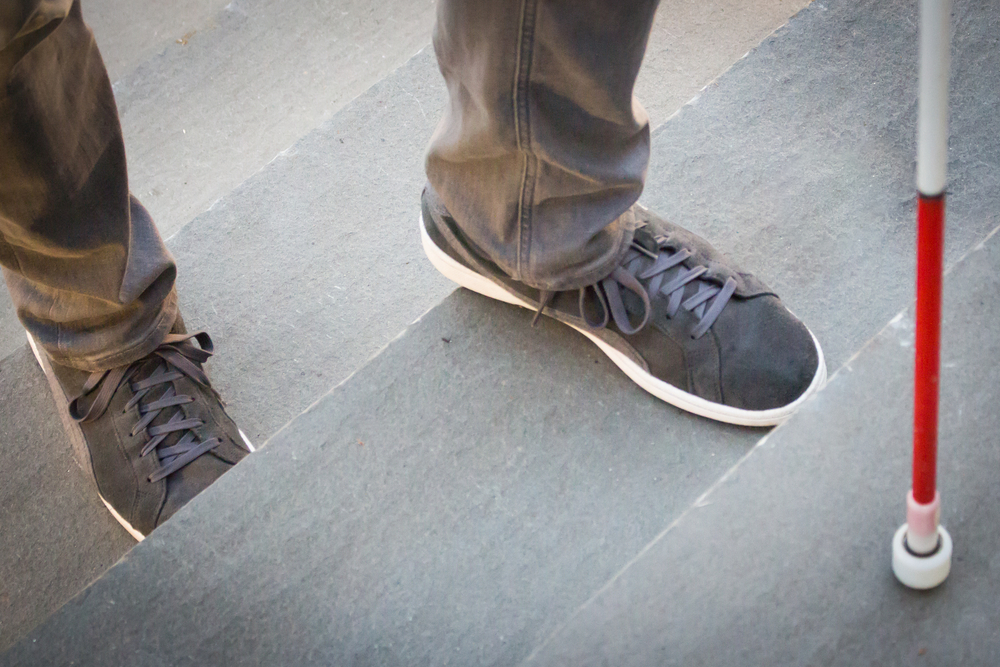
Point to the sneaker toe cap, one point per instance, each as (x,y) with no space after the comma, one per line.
(189,481)
(768,358)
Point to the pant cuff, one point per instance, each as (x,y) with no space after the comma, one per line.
(133,351)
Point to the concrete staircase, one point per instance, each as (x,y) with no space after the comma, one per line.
(473,491)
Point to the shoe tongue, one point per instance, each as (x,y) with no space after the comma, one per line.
(146,370)
(644,237)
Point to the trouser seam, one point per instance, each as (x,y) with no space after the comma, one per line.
(526,38)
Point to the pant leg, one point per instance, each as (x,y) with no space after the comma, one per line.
(87,270)
(543,148)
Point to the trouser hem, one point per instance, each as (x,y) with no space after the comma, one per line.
(146,343)
(602,270)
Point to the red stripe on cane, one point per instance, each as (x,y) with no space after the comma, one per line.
(930,265)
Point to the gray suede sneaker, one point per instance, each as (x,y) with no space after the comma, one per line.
(676,316)
(153,433)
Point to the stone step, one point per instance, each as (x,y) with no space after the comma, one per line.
(209,108)
(55,534)
(478,490)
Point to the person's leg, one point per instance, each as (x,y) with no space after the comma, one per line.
(89,276)
(543,148)
(533,176)
(93,282)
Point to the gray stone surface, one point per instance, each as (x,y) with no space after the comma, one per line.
(202,116)
(130,33)
(438,535)
(447,505)
(788,561)
(314,264)
(289,324)
(55,535)
(799,162)
(694,41)
(11,332)
(481,490)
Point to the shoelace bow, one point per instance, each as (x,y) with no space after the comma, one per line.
(636,267)
(178,358)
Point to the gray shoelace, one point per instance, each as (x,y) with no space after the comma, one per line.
(178,358)
(640,265)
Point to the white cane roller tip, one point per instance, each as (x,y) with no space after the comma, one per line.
(921,572)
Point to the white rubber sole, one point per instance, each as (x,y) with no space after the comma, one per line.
(76,435)
(469,279)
